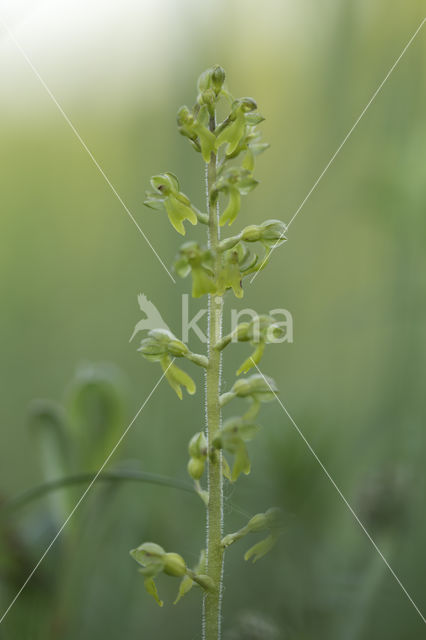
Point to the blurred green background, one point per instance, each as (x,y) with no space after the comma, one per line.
(353,275)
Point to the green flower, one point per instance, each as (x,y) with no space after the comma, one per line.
(256,388)
(195,127)
(261,387)
(230,275)
(270,233)
(153,560)
(199,262)
(161,342)
(234,129)
(260,331)
(166,195)
(162,346)
(232,438)
(268,521)
(233,182)
(177,378)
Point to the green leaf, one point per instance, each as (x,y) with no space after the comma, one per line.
(48,425)
(95,404)
(47,422)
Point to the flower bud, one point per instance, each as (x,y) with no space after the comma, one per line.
(255,385)
(174,565)
(204,80)
(208,97)
(196,468)
(152,350)
(184,117)
(251,233)
(197,447)
(177,348)
(165,183)
(217,78)
(246,104)
(259,522)
(272,232)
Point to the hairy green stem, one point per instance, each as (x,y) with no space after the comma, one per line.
(212,600)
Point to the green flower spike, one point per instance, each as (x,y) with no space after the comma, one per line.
(234,182)
(192,258)
(232,438)
(166,195)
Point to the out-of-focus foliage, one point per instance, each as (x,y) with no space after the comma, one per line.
(352,273)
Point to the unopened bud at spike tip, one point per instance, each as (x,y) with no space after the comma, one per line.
(218,78)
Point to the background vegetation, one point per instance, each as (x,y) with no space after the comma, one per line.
(353,275)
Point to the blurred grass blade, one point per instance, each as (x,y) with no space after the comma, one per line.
(47,488)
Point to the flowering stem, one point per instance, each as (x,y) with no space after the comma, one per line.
(212,600)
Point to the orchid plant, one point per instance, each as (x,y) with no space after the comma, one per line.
(219,453)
